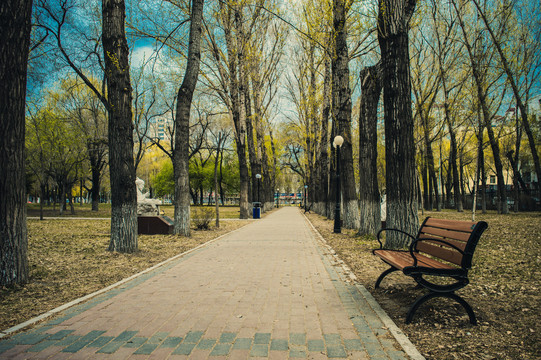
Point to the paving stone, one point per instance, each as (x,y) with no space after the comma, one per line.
(171,342)
(259,350)
(32,338)
(332,339)
(297,338)
(184,349)
(101,341)
(206,344)
(39,346)
(135,342)
(221,350)
(336,351)
(125,336)
(262,338)
(146,349)
(242,344)
(60,334)
(353,344)
(295,353)
(228,337)
(316,345)
(68,340)
(193,337)
(279,344)
(111,347)
(158,337)
(6,346)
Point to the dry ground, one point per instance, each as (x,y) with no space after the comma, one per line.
(504,291)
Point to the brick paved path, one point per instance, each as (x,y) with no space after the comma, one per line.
(268,290)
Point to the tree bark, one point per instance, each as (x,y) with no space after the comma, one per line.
(122,169)
(182,123)
(342,114)
(322,207)
(393,27)
(15,26)
(369,199)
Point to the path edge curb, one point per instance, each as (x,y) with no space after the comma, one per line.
(82,299)
(398,334)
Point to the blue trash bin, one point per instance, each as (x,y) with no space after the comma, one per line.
(257,212)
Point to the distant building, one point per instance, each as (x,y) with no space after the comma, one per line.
(162,127)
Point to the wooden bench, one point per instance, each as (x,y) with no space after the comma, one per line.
(441,249)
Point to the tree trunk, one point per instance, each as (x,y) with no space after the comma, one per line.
(96,166)
(342,113)
(323,163)
(453,168)
(182,123)
(15,28)
(369,202)
(393,26)
(121,165)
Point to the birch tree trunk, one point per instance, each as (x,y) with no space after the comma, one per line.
(369,199)
(393,27)
(182,123)
(15,26)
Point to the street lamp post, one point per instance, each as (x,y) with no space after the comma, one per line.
(305,197)
(337,143)
(277,198)
(258,177)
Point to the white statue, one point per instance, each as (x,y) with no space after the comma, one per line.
(145,205)
(384,207)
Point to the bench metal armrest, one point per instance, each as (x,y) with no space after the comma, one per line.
(400,231)
(413,247)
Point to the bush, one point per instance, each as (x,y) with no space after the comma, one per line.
(202,216)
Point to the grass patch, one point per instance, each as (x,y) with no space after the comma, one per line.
(504,287)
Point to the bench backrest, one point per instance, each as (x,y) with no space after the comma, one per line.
(462,234)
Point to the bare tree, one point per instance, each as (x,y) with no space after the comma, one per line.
(393,26)
(119,108)
(341,108)
(182,123)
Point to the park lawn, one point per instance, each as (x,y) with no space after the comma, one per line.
(68,259)
(85,211)
(504,290)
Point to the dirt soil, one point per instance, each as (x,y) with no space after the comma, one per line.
(505,282)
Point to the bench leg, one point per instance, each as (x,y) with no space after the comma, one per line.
(383,274)
(431,295)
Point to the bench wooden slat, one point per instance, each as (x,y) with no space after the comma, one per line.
(442,252)
(459,244)
(401,259)
(466,226)
(449,234)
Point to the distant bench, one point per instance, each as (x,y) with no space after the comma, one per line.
(442,248)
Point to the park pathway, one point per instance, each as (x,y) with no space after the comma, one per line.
(267,290)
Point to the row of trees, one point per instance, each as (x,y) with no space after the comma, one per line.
(465,72)
(457,67)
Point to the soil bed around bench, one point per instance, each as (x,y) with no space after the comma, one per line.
(505,282)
